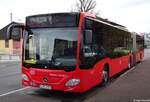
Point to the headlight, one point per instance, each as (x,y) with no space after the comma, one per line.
(25,77)
(73,82)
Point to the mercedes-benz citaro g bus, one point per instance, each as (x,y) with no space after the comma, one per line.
(74,52)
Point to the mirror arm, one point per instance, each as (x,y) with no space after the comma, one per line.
(10,27)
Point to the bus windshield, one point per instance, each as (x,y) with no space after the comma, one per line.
(50,47)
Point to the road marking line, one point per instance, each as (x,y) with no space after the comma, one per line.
(126,72)
(14,91)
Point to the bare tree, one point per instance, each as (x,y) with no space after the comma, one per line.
(85,6)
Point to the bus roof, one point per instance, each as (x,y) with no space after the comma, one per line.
(106,21)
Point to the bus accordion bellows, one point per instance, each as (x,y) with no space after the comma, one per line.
(74,52)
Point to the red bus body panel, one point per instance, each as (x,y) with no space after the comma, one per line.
(58,78)
(88,77)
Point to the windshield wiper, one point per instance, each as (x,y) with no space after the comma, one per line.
(44,62)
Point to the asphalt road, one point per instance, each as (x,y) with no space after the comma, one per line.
(9,76)
(131,86)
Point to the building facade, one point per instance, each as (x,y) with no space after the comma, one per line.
(11,46)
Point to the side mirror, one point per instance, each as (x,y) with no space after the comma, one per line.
(88,36)
(14,31)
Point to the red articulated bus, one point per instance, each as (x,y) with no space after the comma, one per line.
(74,52)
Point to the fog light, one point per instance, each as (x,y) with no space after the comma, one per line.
(73,82)
(25,77)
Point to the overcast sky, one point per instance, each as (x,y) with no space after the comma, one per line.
(134,14)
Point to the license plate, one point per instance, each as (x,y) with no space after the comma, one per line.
(45,87)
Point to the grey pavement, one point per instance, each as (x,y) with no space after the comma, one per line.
(9,76)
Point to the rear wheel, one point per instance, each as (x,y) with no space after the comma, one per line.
(140,57)
(129,64)
(105,76)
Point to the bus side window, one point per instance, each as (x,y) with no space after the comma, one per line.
(92,49)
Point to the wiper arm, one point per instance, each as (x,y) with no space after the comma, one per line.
(44,62)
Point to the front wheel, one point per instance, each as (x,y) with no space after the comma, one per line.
(105,76)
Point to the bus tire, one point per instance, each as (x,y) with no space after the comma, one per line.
(105,76)
(129,64)
(140,57)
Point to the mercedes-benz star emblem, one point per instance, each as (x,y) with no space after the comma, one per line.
(45,79)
